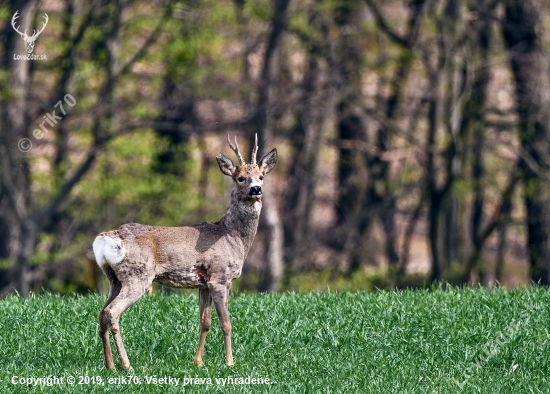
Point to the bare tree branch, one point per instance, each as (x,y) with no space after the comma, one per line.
(494,222)
(67,187)
(150,40)
(387,155)
(383,25)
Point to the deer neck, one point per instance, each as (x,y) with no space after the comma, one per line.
(241,218)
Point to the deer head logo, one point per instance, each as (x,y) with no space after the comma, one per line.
(29,41)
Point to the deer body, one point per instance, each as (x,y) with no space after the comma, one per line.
(217,249)
(207,256)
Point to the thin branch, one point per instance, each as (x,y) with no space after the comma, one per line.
(383,25)
(69,54)
(406,248)
(67,187)
(384,155)
(495,221)
(535,167)
(11,188)
(150,40)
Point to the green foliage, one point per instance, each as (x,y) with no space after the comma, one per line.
(409,174)
(7,263)
(367,279)
(5,12)
(196,48)
(461,189)
(457,340)
(124,184)
(260,9)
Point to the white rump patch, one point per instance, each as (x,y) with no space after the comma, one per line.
(108,250)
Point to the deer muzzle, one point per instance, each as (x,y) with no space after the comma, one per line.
(255,191)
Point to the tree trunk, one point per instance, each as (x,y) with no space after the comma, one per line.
(306,139)
(380,184)
(353,175)
(350,173)
(502,243)
(434,195)
(270,221)
(529,62)
(28,241)
(473,122)
(273,229)
(15,181)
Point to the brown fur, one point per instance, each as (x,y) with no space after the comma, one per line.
(207,256)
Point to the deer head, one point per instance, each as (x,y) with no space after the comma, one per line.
(29,41)
(248,178)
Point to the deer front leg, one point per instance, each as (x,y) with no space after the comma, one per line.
(205,306)
(220,294)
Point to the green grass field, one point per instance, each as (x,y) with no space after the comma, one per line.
(429,341)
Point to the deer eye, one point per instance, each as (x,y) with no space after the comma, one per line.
(261,177)
(241,179)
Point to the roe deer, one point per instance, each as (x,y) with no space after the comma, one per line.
(207,256)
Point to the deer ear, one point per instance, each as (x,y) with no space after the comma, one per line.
(268,162)
(226,164)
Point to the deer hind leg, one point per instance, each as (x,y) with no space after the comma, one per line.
(205,307)
(220,295)
(129,294)
(104,321)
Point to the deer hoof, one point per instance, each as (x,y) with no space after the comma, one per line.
(198,363)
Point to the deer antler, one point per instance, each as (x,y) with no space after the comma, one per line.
(36,34)
(254,151)
(235,148)
(24,35)
(15,16)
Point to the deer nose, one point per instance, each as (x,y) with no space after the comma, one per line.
(255,191)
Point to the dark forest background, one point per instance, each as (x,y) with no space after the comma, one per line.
(413,136)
